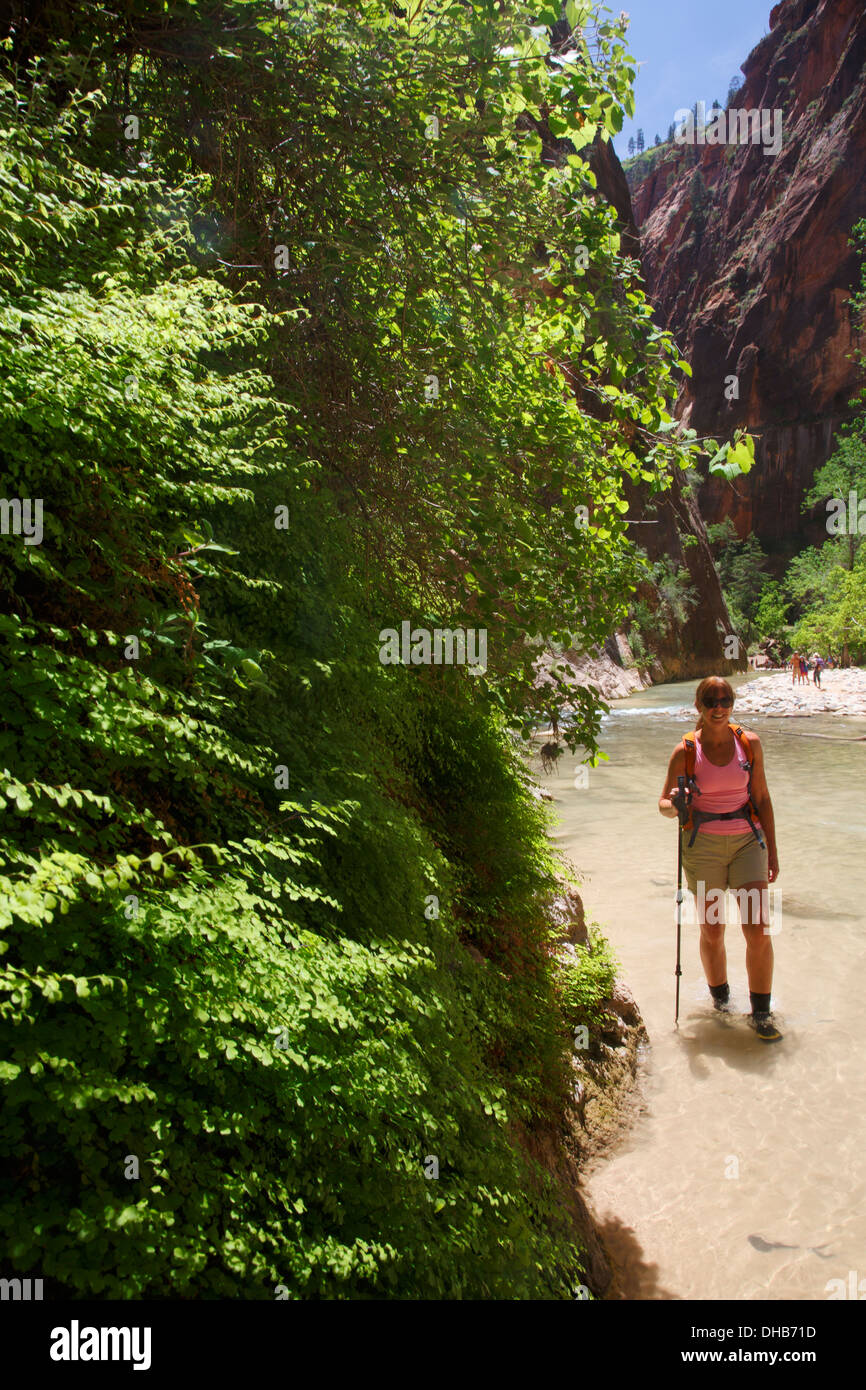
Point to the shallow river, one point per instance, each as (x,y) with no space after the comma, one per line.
(743,1175)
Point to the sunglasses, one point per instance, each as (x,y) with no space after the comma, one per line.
(723,702)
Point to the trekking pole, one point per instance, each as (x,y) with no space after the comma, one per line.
(681,784)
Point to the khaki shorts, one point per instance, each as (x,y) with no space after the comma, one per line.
(723,861)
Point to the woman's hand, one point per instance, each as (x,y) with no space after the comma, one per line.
(670,787)
(772,865)
(680,801)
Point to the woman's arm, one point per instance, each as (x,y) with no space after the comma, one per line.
(676,768)
(764,806)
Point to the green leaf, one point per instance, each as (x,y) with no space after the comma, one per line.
(577,14)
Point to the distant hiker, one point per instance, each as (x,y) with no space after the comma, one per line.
(795,668)
(804,669)
(734,848)
(819,665)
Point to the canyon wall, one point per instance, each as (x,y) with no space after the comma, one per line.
(671,526)
(748,262)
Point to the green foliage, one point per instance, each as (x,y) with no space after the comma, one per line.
(586,977)
(731,460)
(835,622)
(809,578)
(659,617)
(226,822)
(453,260)
(841,486)
(734,86)
(826,583)
(858,301)
(844,471)
(827,590)
(499,459)
(721,533)
(639,167)
(742,568)
(771,612)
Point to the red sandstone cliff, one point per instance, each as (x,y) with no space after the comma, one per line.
(675,530)
(746,258)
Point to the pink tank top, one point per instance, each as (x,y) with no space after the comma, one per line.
(722,789)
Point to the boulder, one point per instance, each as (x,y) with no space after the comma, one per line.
(566,914)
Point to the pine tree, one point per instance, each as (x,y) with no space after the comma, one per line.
(736,84)
(631,147)
(641,146)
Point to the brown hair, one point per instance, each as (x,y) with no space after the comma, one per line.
(702,690)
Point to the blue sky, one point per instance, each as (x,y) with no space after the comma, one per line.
(690,50)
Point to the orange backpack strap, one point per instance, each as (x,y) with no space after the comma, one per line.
(690,823)
(751,808)
(691,755)
(738,732)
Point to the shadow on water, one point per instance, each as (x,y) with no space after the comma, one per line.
(730,1039)
(801,907)
(637,1277)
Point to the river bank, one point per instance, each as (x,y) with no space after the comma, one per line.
(775,696)
(605,1097)
(609,670)
(840,692)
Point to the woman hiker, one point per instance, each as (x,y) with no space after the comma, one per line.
(726,852)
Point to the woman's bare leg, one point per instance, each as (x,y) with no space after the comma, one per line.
(713,956)
(754,914)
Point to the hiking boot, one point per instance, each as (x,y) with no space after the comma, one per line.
(721,998)
(766,1028)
